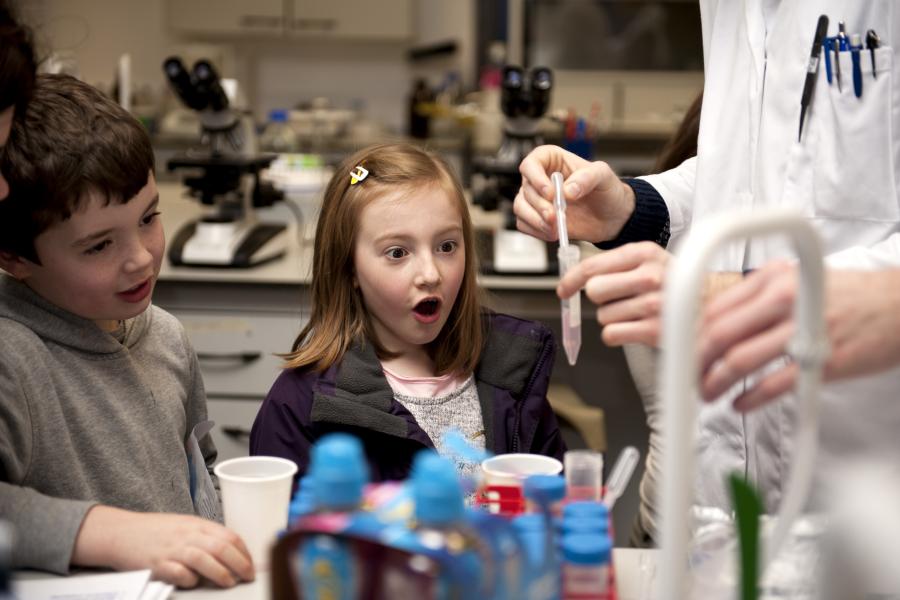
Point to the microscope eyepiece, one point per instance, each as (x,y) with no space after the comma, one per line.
(181,82)
(521,99)
(541,84)
(207,82)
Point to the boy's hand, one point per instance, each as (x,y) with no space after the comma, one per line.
(178,549)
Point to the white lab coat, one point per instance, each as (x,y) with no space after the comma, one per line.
(844,175)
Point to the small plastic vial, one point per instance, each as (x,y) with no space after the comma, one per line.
(585,569)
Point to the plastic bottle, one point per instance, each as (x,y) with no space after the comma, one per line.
(545,492)
(585,567)
(584,517)
(440,525)
(279,136)
(337,473)
(419,119)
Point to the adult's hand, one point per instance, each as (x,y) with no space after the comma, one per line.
(626,285)
(751,324)
(178,549)
(599,204)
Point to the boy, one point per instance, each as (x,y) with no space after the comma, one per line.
(99,390)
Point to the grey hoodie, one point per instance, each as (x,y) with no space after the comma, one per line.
(86,419)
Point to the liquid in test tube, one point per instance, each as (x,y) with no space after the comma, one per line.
(569,255)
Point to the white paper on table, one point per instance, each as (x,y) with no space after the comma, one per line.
(130,585)
(203,491)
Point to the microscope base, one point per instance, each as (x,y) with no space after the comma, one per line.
(232,245)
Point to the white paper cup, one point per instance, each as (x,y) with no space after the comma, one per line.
(513,469)
(256,493)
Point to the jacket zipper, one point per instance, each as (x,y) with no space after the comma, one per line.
(540,363)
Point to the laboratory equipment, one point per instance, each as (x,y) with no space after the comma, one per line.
(680,373)
(584,474)
(569,255)
(585,566)
(224,174)
(620,475)
(524,99)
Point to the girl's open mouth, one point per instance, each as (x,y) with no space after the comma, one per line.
(428,310)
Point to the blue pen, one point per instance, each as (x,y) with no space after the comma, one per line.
(828,43)
(836,45)
(855,47)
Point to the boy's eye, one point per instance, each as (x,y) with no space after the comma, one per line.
(396,252)
(97,248)
(150,218)
(448,246)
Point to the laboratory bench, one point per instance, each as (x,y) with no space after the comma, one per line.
(239,320)
(635,573)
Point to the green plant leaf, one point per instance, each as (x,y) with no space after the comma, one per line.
(747,509)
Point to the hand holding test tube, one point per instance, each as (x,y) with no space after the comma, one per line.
(569,255)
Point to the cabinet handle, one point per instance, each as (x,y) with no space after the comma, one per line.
(236,433)
(267,21)
(315,24)
(243,357)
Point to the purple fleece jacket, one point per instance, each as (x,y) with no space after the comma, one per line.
(353,396)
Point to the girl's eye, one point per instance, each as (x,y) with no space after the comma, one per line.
(98,248)
(150,218)
(396,253)
(448,246)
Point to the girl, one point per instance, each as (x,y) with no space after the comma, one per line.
(398,348)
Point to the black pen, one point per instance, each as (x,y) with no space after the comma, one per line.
(812,70)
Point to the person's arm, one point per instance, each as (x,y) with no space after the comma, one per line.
(676,187)
(599,203)
(178,549)
(752,324)
(626,285)
(547,439)
(46,527)
(282,426)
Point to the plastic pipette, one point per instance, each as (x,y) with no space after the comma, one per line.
(568,255)
(621,475)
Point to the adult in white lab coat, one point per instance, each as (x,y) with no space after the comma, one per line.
(843,174)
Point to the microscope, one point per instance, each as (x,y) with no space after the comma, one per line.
(224,175)
(524,99)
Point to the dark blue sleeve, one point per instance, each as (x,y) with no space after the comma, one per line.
(648,222)
(538,419)
(282,426)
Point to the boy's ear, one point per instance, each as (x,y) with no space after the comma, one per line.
(15,265)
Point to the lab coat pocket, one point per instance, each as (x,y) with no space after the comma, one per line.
(850,147)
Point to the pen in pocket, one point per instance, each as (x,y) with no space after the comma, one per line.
(872,42)
(855,47)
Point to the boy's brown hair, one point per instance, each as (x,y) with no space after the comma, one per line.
(339,318)
(71,142)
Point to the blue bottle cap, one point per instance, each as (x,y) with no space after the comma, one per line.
(583,525)
(583,549)
(437,494)
(545,489)
(586,508)
(338,471)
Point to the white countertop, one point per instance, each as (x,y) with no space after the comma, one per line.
(631,565)
(296,266)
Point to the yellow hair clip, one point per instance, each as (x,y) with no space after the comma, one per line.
(358,175)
